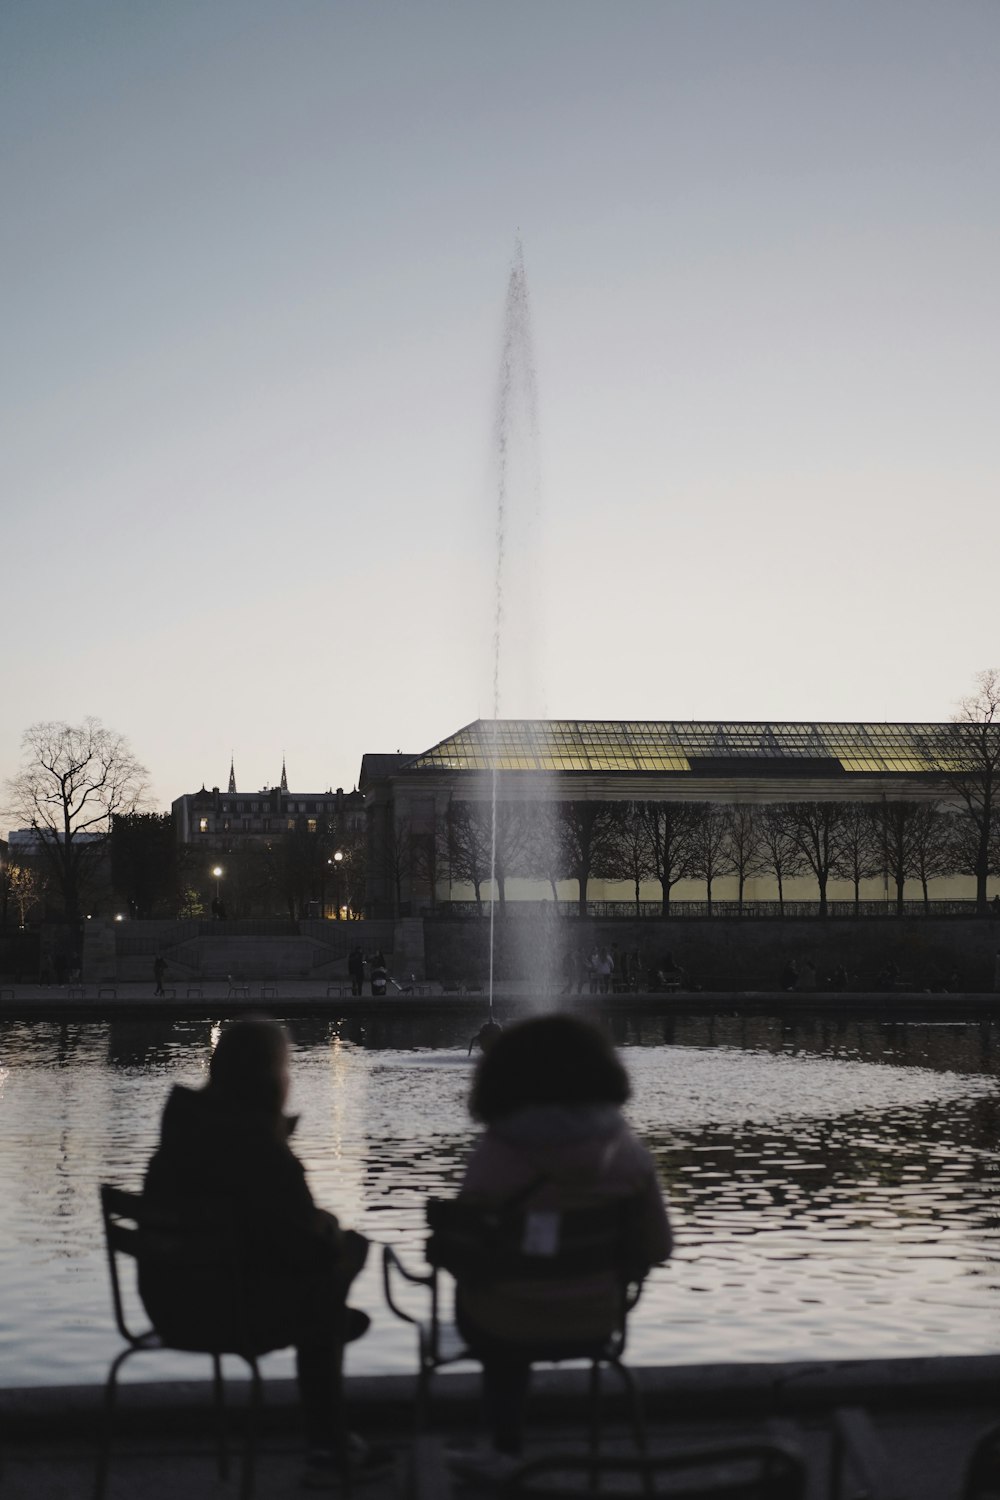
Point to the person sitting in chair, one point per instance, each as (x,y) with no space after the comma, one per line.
(549,1092)
(227,1144)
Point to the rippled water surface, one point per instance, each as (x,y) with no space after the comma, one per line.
(835,1189)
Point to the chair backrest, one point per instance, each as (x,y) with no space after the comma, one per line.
(189,1258)
(720,1471)
(485,1243)
(982,1476)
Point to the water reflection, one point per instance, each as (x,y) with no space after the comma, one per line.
(835,1184)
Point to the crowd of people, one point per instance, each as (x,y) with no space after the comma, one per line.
(548,1093)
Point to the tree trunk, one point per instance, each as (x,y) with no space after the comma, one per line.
(581,881)
(637,900)
(781,894)
(665,904)
(740,899)
(900,882)
(927,899)
(857,896)
(821,880)
(708,892)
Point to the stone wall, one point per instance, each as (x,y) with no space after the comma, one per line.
(723,953)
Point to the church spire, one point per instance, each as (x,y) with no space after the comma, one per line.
(284,778)
(232,776)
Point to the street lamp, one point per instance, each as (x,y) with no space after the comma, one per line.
(338,858)
(218,872)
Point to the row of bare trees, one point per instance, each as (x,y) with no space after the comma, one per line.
(663,843)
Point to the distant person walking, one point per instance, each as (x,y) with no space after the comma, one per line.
(159,970)
(379,973)
(356,969)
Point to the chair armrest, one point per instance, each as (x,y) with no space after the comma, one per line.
(392,1263)
(857,1450)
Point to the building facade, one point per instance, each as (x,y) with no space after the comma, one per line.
(417,806)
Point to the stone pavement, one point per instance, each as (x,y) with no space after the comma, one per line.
(926,1415)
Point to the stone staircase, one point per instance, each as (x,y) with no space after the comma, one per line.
(241,958)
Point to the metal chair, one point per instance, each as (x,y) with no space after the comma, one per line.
(485,1246)
(203,1253)
(717,1471)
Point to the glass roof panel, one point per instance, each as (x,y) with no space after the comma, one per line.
(646,745)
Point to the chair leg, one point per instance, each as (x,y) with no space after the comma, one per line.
(219,1402)
(634,1405)
(594,1405)
(253,1421)
(107,1425)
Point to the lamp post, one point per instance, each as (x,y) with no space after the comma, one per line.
(218,872)
(337,861)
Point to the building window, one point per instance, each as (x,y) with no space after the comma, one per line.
(291,825)
(246,825)
(202,825)
(225,825)
(225,807)
(312,825)
(267,825)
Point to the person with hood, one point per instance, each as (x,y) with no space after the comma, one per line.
(549,1092)
(228,1143)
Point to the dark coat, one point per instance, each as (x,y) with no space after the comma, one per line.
(233,1172)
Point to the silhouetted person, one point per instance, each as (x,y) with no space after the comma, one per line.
(159,970)
(228,1142)
(550,1092)
(995,906)
(379,972)
(356,969)
(790,975)
(807,978)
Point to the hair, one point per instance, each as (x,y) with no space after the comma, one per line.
(248,1063)
(549,1060)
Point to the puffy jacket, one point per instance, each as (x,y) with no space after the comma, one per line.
(549,1157)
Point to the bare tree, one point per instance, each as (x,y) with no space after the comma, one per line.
(21,887)
(859,847)
(74,780)
(974,773)
(897,820)
(710,857)
(671,827)
(585,834)
(515,827)
(816,828)
(468,844)
(747,854)
(634,857)
(933,843)
(781,854)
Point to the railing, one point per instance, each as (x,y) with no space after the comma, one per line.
(653,910)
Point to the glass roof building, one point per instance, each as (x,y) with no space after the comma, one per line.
(592,760)
(658,747)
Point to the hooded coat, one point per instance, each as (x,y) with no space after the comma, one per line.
(232,1172)
(550,1157)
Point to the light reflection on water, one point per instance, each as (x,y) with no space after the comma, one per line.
(835,1186)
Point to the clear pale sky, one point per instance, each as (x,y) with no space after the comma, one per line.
(254,266)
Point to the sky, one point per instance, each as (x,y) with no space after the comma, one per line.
(255,260)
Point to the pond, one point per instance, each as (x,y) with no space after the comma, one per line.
(835,1187)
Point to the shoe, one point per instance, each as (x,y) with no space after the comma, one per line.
(484,1466)
(358,1324)
(325,1467)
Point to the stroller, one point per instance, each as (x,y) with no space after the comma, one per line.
(378,974)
